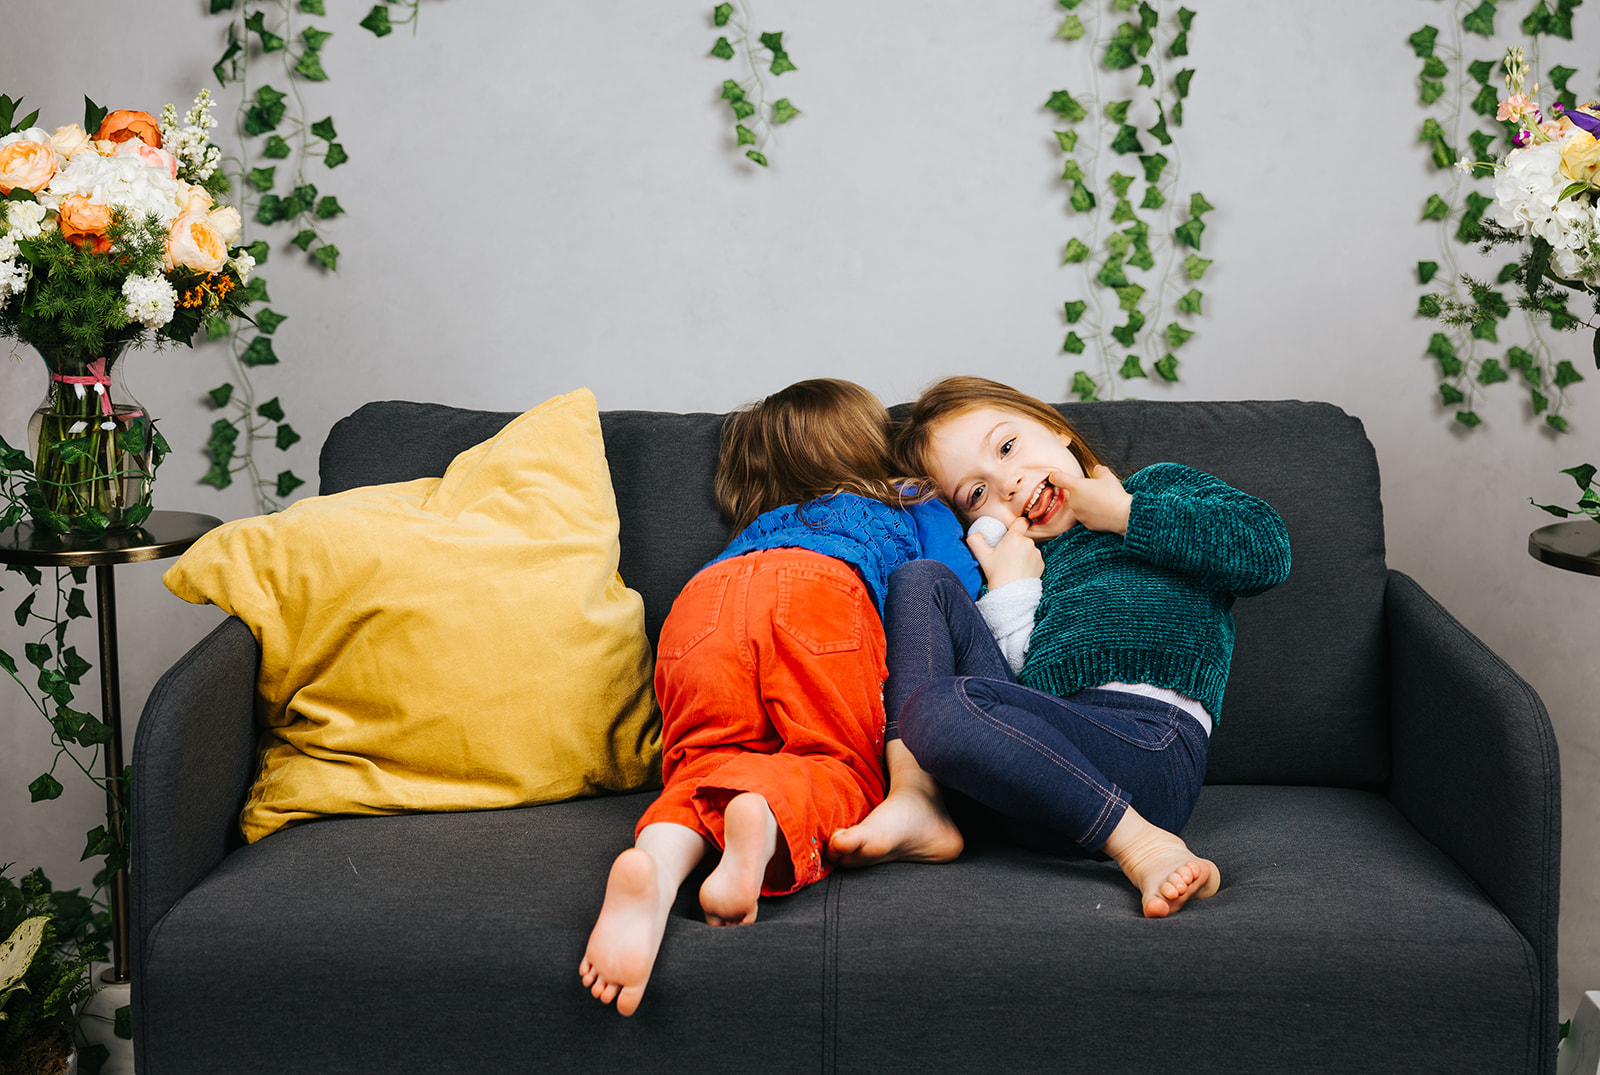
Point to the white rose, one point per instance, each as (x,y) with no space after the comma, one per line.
(24,220)
(244,264)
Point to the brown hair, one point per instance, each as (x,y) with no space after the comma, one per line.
(810,440)
(958,395)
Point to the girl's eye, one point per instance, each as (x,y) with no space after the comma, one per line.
(974,496)
(1005,449)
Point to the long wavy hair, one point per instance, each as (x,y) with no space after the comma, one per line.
(913,438)
(812,439)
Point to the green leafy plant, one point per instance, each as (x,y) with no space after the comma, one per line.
(754,120)
(274,171)
(1588,495)
(43,977)
(1465,139)
(1137,241)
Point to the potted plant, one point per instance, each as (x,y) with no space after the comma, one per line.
(42,979)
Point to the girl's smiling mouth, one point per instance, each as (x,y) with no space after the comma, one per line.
(1043,504)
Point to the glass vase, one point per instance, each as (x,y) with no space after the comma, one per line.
(93,445)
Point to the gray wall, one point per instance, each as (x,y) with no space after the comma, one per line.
(542,196)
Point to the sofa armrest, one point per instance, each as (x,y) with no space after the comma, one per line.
(1476,769)
(193,759)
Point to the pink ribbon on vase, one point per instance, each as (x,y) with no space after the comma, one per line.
(101,381)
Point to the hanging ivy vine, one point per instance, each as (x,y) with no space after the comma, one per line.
(277,185)
(754,120)
(1465,140)
(1139,261)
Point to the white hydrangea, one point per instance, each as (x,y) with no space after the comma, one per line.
(13,279)
(1579,258)
(32,134)
(243,265)
(121,181)
(23,220)
(8,247)
(1526,187)
(151,300)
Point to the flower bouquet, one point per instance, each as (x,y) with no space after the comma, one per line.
(108,240)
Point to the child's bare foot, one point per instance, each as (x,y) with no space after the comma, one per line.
(623,945)
(1160,865)
(730,896)
(910,825)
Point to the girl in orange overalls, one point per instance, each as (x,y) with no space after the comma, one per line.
(770,670)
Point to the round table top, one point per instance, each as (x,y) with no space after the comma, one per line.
(1574,545)
(163,534)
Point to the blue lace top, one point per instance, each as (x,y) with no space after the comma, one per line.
(868,534)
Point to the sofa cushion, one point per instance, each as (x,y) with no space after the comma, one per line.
(450,643)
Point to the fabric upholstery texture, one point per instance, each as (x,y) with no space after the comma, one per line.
(397,624)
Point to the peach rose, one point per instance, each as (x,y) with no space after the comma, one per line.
(195,243)
(124,124)
(1580,157)
(81,219)
(192,198)
(29,165)
(70,139)
(226,221)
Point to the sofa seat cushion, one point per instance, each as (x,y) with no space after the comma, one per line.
(1334,913)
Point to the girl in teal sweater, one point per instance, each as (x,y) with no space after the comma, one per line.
(1080,691)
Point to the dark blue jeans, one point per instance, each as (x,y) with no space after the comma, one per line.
(1071,765)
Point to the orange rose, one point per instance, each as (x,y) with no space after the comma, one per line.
(194,243)
(29,165)
(83,220)
(124,124)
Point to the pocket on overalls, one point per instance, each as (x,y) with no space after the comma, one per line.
(820,609)
(693,615)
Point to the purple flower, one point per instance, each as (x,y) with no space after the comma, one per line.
(1584,120)
(1521,139)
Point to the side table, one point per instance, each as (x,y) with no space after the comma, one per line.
(1573,545)
(163,534)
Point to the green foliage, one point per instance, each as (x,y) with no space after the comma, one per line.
(1127,225)
(754,120)
(38,1011)
(1588,495)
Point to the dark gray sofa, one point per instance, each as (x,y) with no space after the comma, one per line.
(1382,800)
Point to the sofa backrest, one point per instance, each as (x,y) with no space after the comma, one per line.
(1305,703)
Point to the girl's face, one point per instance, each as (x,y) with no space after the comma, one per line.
(999,463)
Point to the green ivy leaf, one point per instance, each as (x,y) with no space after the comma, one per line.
(259,353)
(731,90)
(1557,77)
(1076,251)
(1429,91)
(1487,103)
(1123,212)
(221,395)
(310,7)
(314,38)
(37,654)
(286,436)
(1082,198)
(1538,401)
(221,68)
(287,483)
(1066,106)
(1468,418)
(1481,71)
(1111,274)
(1154,164)
(335,155)
(757,157)
(742,109)
(1072,171)
(1177,335)
(377,21)
(783,111)
(328,208)
(1073,345)
(1083,385)
(1167,367)
(262,178)
(1072,29)
(122,1022)
(1153,199)
(1195,266)
(24,610)
(1120,183)
(76,609)
(99,843)
(221,5)
(1142,258)
(1480,20)
(271,410)
(1449,395)
(1556,422)
(267,112)
(722,50)
(1185,18)
(257,24)
(1131,367)
(267,321)
(746,136)
(1180,45)
(721,13)
(1181,80)
(259,251)
(8,662)
(1190,302)
(1426,270)
(323,129)
(1117,111)
(91,732)
(1433,67)
(45,787)
(1127,140)
(275,148)
(1491,372)
(1436,209)
(1198,205)
(1126,334)
(1422,41)
(1068,140)
(1128,297)
(1428,306)
(1188,233)
(1075,308)
(304,239)
(1566,374)
(328,255)
(1147,77)
(1158,130)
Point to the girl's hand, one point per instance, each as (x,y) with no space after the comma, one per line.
(1015,557)
(1099,501)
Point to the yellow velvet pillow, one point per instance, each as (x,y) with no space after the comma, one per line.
(454,643)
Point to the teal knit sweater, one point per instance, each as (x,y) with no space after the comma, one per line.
(1152,606)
